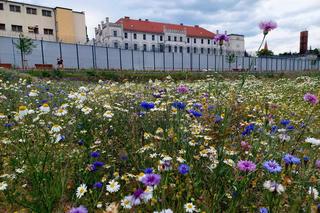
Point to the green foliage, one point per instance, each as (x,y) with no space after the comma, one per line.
(264,52)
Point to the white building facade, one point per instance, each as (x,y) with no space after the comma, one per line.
(145,35)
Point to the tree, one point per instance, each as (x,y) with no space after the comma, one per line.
(264,52)
(230,59)
(25,45)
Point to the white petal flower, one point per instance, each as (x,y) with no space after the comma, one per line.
(81,190)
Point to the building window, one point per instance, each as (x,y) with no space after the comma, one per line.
(1,6)
(126,46)
(169,38)
(175,38)
(161,38)
(153,37)
(125,35)
(34,30)
(209,50)
(2,27)
(215,51)
(195,40)
(16,28)
(115,33)
(188,40)
(202,41)
(188,49)
(180,39)
(15,8)
(153,48)
(194,50)
(214,43)
(116,45)
(169,49)
(208,41)
(161,48)
(134,36)
(46,13)
(175,49)
(144,47)
(48,31)
(135,47)
(144,37)
(201,50)
(31,10)
(180,49)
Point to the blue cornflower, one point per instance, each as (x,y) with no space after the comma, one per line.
(81,142)
(95,154)
(184,169)
(248,130)
(179,105)
(290,159)
(290,127)
(148,171)
(273,129)
(272,166)
(263,210)
(217,118)
(8,125)
(195,113)
(285,122)
(97,185)
(147,105)
(98,164)
(197,105)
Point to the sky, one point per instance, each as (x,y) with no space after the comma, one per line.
(233,16)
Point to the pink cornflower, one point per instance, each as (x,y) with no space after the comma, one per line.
(245,146)
(182,89)
(246,166)
(312,99)
(267,26)
(317,164)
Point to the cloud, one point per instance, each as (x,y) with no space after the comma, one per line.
(235,16)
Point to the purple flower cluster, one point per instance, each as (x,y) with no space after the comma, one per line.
(184,169)
(290,159)
(80,209)
(246,166)
(220,38)
(151,179)
(147,105)
(272,166)
(267,26)
(312,99)
(182,89)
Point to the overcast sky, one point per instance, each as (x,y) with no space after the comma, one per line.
(235,16)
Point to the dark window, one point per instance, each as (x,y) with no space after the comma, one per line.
(202,41)
(134,36)
(153,37)
(169,49)
(188,40)
(15,8)
(195,50)
(188,49)
(46,13)
(195,40)
(31,10)
(126,46)
(215,43)
(161,39)
(201,50)
(125,35)
(181,39)
(34,30)
(208,41)
(135,47)
(16,28)
(175,49)
(115,33)
(144,47)
(209,50)
(153,47)
(214,51)
(180,49)
(161,47)
(175,38)
(116,45)
(1,6)
(2,27)
(144,37)
(169,38)
(48,31)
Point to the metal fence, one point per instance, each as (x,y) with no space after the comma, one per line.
(76,56)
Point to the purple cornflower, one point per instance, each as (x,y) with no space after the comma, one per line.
(272,166)
(184,169)
(246,166)
(220,38)
(290,159)
(182,89)
(97,185)
(137,196)
(80,209)
(267,26)
(245,146)
(151,179)
(312,99)
(95,154)
(317,164)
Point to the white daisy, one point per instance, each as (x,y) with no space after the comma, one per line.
(164,211)
(189,207)
(86,110)
(313,141)
(108,114)
(3,186)
(81,190)
(126,202)
(113,186)
(313,192)
(56,128)
(272,186)
(45,108)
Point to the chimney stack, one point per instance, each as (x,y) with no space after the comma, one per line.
(126,17)
(196,25)
(225,32)
(107,20)
(217,32)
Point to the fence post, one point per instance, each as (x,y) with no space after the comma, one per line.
(42,53)
(154,60)
(172,60)
(143,66)
(14,55)
(182,60)
(120,58)
(236,62)
(92,57)
(215,62)
(107,53)
(77,50)
(199,62)
(222,59)
(271,64)
(60,49)
(276,64)
(191,63)
(242,62)
(318,63)
(164,60)
(207,62)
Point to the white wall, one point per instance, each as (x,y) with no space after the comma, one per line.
(80,27)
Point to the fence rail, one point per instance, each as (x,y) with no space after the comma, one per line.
(77,56)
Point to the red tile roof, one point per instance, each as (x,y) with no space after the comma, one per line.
(158,27)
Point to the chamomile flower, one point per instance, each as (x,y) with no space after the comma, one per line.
(189,207)
(108,114)
(45,108)
(61,112)
(113,186)
(56,128)
(3,186)
(86,110)
(126,202)
(313,192)
(81,190)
